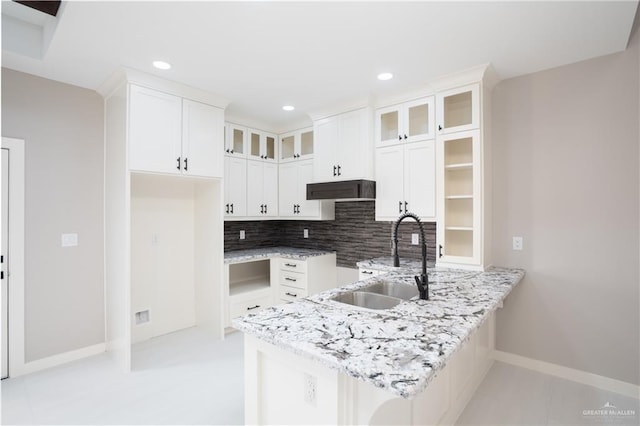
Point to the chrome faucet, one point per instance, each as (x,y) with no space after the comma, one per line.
(422,281)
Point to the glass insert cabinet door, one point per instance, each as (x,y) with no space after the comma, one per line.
(408,122)
(235,140)
(458,109)
(297,145)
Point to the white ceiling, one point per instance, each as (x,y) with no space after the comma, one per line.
(262,55)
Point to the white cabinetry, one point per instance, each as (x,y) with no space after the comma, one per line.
(163,264)
(292,195)
(262,146)
(235,186)
(262,189)
(462,142)
(342,148)
(302,278)
(169,134)
(296,145)
(407,122)
(257,284)
(406,180)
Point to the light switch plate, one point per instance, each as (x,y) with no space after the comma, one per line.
(517,243)
(69,240)
(242,235)
(305,233)
(415,239)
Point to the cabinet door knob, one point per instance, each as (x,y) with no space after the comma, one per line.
(440,251)
(339,173)
(400,207)
(178,160)
(186,164)
(440,127)
(227,211)
(265,208)
(290,279)
(228,150)
(405,136)
(231,208)
(405,206)
(291,294)
(399,137)
(334,170)
(253,307)
(367,272)
(232,151)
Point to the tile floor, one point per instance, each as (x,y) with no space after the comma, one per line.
(180,378)
(186,378)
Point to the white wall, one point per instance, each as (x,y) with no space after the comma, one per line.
(565,162)
(62,126)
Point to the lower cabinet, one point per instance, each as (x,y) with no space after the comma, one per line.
(276,383)
(258,284)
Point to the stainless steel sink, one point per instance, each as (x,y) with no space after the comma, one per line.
(367,300)
(388,288)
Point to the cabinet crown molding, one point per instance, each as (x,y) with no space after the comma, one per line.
(484,73)
(128,75)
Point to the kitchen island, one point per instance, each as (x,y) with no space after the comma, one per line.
(321,361)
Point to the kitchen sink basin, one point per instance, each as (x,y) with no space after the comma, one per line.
(368,300)
(387,288)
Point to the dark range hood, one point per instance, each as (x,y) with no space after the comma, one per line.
(343,190)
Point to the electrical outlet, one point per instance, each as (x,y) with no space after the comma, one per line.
(242,234)
(305,233)
(310,384)
(154,240)
(517,243)
(415,239)
(69,240)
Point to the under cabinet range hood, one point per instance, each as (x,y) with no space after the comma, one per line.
(344,190)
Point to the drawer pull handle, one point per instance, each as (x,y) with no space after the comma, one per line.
(290,279)
(253,307)
(291,294)
(368,272)
(291,265)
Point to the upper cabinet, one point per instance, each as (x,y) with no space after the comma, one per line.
(458,109)
(235,141)
(296,145)
(262,146)
(407,122)
(169,134)
(342,148)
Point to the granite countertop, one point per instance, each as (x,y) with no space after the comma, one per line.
(239,256)
(399,349)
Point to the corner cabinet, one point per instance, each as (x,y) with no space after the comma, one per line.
(296,146)
(172,135)
(342,147)
(462,144)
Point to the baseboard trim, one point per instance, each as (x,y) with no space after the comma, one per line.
(55,360)
(579,376)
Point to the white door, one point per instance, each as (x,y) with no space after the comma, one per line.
(235,186)
(5,278)
(325,146)
(202,139)
(155,131)
(288,186)
(255,201)
(420,178)
(270,189)
(309,208)
(389,182)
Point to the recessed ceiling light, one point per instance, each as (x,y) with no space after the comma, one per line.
(162,65)
(288,108)
(385,76)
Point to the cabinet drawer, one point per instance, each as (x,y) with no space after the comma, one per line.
(293,265)
(244,307)
(289,294)
(292,279)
